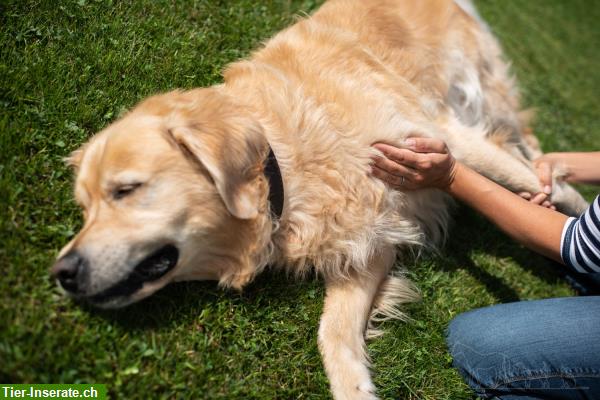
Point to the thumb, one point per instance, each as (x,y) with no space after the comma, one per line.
(544,172)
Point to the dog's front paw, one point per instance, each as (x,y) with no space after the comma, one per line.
(366,390)
(362,391)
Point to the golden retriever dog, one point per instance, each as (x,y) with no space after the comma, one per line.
(177,190)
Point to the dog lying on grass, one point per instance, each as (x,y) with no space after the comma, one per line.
(271,167)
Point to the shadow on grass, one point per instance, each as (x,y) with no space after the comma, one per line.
(495,285)
(472,235)
(182,302)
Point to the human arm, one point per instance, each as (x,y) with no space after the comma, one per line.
(581,167)
(425,162)
(536,227)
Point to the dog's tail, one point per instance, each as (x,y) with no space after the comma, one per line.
(395,291)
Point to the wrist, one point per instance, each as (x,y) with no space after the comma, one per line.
(455,178)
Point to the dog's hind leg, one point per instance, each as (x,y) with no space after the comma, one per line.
(346,312)
(470,145)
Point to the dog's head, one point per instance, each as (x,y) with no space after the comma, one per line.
(172,191)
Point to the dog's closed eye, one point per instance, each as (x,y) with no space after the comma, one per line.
(122,191)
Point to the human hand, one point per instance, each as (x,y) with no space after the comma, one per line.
(421,163)
(543,167)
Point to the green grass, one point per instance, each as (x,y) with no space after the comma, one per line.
(69,68)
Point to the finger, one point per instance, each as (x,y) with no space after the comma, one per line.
(399,155)
(553,207)
(544,172)
(398,182)
(546,204)
(426,145)
(525,195)
(394,168)
(539,198)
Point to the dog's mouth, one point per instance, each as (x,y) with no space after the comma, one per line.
(152,268)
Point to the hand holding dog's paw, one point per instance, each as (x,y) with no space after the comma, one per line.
(543,167)
(541,199)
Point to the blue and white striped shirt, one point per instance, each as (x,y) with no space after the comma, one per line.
(580,240)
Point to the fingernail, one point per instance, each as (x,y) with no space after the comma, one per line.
(409,142)
(547,189)
(526,196)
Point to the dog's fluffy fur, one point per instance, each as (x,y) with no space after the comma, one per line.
(320,93)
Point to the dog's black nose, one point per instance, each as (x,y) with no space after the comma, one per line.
(69,271)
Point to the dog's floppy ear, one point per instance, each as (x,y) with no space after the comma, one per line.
(232,151)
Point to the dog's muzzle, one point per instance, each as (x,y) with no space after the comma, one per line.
(153,267)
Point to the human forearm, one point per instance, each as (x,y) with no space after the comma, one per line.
(581,167)
(536,227)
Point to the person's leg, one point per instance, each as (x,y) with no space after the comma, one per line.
(545,349)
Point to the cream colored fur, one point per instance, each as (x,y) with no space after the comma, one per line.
(320,93)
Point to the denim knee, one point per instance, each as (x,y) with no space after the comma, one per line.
(531,348)
(470,349)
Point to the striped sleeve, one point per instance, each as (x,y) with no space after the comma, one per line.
(580,240)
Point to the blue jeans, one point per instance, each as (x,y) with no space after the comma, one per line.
(544,349)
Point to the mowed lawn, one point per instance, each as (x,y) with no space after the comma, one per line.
(68,68)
